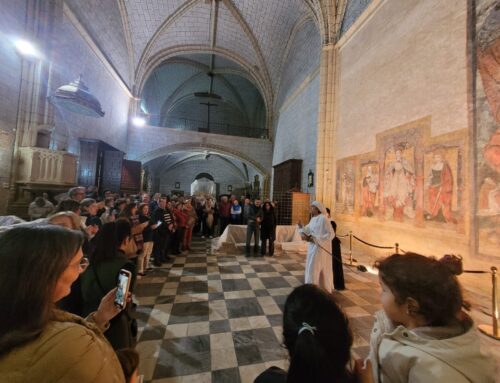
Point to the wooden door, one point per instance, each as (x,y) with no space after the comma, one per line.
(131,177)
(111,170)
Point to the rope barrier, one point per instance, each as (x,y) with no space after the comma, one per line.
(491,331)
(372,245)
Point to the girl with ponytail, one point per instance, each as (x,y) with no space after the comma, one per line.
(422,334)
(318,339)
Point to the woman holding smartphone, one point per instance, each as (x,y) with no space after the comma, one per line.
(39,343)
(114,243)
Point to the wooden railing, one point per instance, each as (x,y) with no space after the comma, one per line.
(45,166)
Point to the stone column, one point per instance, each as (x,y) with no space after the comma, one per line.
(33,110)
(325,147)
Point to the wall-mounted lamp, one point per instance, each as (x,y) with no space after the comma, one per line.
(310,179)
(177,185)
(27,49)
(229,188)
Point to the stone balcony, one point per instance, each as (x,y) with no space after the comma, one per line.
(46,167)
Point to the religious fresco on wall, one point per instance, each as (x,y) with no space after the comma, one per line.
(369,185)
(442,167)
(345,187)
(399,182)
(487,131)
(411,177)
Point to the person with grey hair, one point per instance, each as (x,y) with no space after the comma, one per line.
(319,233)
(77,193)
(40,208)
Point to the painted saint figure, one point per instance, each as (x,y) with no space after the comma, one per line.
(369,192)
(399,187)
(440,189)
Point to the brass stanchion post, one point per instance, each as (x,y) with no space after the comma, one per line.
(492,331)
(350,247)
(396,246)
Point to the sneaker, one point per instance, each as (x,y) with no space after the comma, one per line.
(210,237)
(202,236)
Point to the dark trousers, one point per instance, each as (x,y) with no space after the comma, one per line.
(264,246)
(208,231)
(160,248)
(224,221)
(338,270)
(253,230)
(179,239)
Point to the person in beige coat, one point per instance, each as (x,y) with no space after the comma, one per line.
(39,343)
(422,335)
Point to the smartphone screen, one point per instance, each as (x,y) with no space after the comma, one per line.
(122,288)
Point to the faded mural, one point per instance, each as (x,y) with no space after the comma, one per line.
(411,177)
(369,188)
(399,182)
(345,186)
(487,138)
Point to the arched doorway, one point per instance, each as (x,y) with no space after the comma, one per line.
(204,186)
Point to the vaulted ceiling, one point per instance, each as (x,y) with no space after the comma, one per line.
(168,96)
(138,35)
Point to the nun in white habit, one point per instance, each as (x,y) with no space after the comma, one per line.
(319,233)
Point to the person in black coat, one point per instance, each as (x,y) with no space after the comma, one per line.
(338,271)
(268,229)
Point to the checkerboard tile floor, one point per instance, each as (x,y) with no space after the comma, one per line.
(217,317)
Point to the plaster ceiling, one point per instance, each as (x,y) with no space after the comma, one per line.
(135,32)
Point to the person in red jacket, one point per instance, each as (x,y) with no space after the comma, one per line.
(181,219)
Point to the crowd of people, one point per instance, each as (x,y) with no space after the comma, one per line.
(59,321)
(181,215)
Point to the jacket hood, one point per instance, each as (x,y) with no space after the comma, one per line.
(457,346)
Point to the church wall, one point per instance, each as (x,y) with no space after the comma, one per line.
(401,129)
(407,61)
(73,56)
(296,131)
(298,100)
(11,25)
(223,173)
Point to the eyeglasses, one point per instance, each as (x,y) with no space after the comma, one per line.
(83,264)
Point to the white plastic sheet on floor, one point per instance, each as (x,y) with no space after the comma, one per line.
(287,238)
(9,221)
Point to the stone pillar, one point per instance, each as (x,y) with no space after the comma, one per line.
(325,147)
(33,109)
(266,188)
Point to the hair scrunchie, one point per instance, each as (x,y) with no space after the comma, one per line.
(307,327)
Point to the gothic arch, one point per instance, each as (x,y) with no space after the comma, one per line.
(197,146)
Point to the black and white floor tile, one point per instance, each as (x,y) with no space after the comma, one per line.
(217,317)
